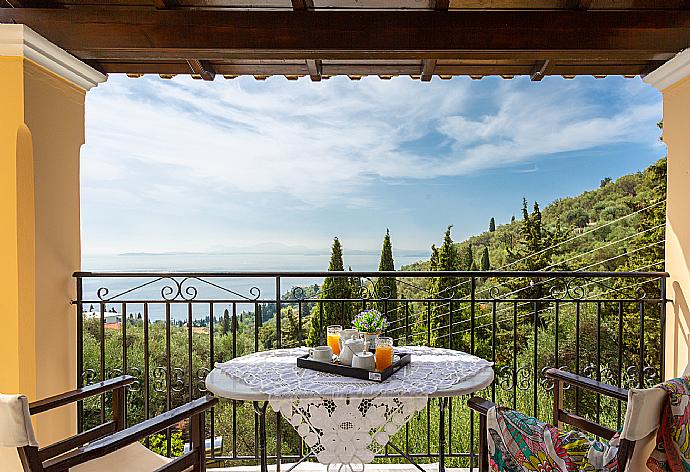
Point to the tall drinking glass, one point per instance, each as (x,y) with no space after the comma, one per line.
(384,353)
(333,333)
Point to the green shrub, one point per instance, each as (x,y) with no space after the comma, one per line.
(158,443)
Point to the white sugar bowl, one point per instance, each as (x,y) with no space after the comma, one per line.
(364,360)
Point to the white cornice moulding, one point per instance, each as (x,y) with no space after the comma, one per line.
(22,41)
(671,72)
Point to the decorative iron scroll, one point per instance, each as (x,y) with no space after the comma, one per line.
(557,289)
(91,376)
(179,380)
(160,379)
(548,384)
(370,289)
(520,379)
(201,379)
(178,289)
(560,289)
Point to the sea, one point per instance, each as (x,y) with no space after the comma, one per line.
(129,293)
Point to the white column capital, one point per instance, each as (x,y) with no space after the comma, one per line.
(670,73)
(22,41)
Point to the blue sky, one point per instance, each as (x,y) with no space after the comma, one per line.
(186,165)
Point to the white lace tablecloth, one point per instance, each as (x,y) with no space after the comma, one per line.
(345,420)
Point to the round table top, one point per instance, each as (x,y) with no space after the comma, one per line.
(225,386)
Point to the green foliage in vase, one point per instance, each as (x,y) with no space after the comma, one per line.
(370,322)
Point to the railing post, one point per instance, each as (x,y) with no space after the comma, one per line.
(443,404)
(640,379)
(473,298)
(260,410)
(662,328)
(80,350)
(279,335)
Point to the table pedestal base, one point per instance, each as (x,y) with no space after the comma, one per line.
(345,468)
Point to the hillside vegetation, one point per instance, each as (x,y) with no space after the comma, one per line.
(598,228)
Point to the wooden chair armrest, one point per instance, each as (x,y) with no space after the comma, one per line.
(587,384)
(80,394)
(128,436)
(480,405)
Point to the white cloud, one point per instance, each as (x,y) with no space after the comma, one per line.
(320,142)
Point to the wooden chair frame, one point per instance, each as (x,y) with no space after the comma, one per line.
(561,416)
(112,435)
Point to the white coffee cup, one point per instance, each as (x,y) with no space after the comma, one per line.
(321,353)
(364,360)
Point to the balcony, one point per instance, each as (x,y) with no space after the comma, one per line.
(168,330)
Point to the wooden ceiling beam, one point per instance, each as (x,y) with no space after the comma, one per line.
(28,3)
(476,70)
(164,4)
(315,68)
(313,65)
(428,66)
(302,5)
(202,68)
(123,33)
(441,5)
(651,67)
(540,70)
(579,4)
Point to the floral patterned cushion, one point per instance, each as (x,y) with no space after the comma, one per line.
(672,451)
(520,443)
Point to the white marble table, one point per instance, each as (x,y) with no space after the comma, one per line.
(232,387)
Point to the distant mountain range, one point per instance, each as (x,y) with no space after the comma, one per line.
(278,249)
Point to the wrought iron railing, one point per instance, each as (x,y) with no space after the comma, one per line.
(168,330)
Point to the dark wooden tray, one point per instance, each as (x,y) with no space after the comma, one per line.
(347,371)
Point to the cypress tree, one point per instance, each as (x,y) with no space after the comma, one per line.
(330,313)
(290,327)
(534,251)
(486,264)
(492,225)
(386,287)
(444,258)
(468,258)
(225,326)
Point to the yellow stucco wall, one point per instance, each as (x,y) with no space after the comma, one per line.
(677,139)
(41,131)
(17,292)
(50,100)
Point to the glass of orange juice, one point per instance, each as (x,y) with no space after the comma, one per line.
(333,333)
(384,353)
